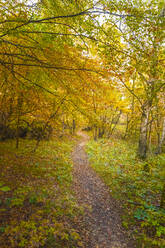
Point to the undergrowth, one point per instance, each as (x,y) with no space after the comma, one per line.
(138,184)
(37,207)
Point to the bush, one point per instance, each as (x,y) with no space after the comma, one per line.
(137,183)
(6,132)
(38,130)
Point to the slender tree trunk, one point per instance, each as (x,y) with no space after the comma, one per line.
(116,122)
(110,127)
(126,130)
(162,139)
(162,201)
(73,126)
(17,132)
(150,136)
(95,132)
(19,107)
(142,149)
(158,129)
(132,109)
(101,132)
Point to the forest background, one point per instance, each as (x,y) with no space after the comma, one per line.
(68,65)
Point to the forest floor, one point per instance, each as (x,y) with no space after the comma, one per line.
(51,187)
(101,225)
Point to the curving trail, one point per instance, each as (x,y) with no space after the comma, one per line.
(101,225)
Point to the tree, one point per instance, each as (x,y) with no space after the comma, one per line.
(138,53)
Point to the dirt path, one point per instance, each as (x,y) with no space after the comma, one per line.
(101,225)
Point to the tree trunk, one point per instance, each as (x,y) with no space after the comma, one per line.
(158,128)
(142,149)
(116,121)
(95,132)
(127,125)
(150,136)
(162,139)
(101,132)
(19,107)
(73,126)
(162,201)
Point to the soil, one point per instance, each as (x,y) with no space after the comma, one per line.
(100,226)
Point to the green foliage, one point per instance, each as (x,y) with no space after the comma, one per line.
(128,180)
(2,229)
(5,189)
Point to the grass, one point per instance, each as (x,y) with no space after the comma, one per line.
(136,183)
(37,206)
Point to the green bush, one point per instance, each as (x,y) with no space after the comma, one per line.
(139,188)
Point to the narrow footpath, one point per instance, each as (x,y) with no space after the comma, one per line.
(100,226)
